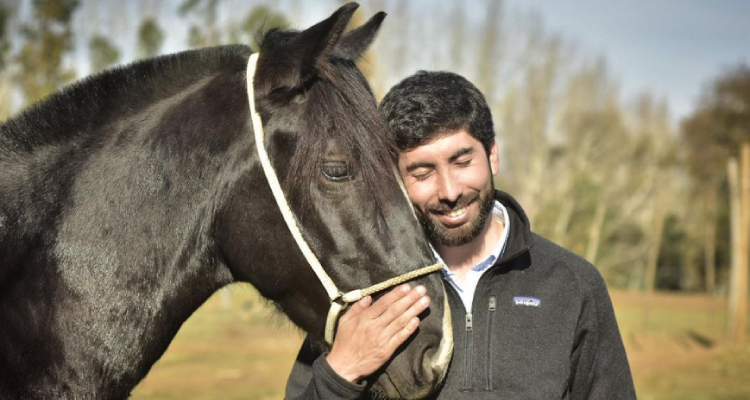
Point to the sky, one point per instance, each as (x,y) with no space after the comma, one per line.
(671,48)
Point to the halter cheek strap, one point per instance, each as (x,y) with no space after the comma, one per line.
(338,298)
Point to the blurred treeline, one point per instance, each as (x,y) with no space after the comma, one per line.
(617,180)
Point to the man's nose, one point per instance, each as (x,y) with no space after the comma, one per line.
(448,189)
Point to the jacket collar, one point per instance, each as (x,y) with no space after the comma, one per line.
(520,238)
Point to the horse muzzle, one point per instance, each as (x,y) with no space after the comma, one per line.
(419,368)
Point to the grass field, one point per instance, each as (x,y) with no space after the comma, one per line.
(234,347)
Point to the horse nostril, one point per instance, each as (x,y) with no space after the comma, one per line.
(428,366)
(434,366)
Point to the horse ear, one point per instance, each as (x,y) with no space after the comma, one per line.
(291,62)
(355,42)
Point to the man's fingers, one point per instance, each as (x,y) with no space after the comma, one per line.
(403,333)
(385,302)
(357,308)
(400,306)
(406,324)
(369,332)
(407,316)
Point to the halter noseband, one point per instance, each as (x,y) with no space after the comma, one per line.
(338,298)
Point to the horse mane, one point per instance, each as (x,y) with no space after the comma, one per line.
(339,96)
(95,100)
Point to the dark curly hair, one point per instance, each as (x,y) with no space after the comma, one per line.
(428,104)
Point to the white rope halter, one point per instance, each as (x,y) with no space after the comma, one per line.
(338,298)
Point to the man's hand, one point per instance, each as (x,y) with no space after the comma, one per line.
(368,334)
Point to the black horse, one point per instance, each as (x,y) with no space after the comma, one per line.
(127,199)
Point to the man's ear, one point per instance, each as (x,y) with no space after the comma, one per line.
(288,64)
(494,158)
(356,41)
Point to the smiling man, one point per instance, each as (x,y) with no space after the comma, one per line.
(449,181)
(531,320)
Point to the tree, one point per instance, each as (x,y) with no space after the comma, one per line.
(102,53)
(490,50)
(207,32)
(150,38)
(712,135)
(716,129)
(5,84)
(260,18)
(47,41)
(4,34)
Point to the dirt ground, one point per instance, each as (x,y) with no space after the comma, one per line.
(236,347)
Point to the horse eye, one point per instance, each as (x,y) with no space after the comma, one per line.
(336,171)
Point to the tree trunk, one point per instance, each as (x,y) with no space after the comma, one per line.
(653,254)
(734,269)
(710,242)
(740,302)
(690,271)
(563,221)
(595,232)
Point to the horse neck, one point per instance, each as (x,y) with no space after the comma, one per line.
(107,243)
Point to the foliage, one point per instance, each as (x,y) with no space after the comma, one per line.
(5,85)
(102,53)
(712,135)
(150,38)
(4,41)
(721,123)
(47,39)
(206,32)
(259,19)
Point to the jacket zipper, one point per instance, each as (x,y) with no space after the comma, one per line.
(490,323)
(469,323)
(469,350)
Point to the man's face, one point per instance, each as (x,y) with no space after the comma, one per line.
(449,181)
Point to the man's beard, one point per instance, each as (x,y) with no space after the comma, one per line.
(441,235)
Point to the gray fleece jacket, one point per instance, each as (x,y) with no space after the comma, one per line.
(542,327)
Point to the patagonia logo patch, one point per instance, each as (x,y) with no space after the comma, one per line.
(526,301)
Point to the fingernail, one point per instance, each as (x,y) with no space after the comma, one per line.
(424,300)
(421,290)
(365,301)
(406,287)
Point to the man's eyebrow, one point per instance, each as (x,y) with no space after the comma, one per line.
(461,152)
(418,165)
(455,156)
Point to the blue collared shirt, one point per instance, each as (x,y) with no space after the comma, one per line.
(466,289)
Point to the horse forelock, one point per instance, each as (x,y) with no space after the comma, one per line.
(340,107)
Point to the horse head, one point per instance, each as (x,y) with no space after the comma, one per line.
(335,161)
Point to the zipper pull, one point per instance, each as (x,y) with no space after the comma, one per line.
(493,303)
(469,322)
